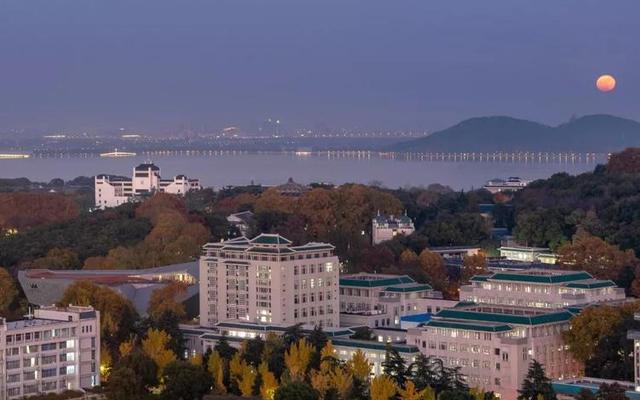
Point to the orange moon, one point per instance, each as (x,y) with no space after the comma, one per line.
(606,83)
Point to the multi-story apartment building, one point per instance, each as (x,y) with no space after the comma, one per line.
(494,345)
(268,280)
(386,227)
(53,351)
(380,300)
(540,288)
(112,191)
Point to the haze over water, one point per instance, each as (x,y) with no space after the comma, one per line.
(271,169)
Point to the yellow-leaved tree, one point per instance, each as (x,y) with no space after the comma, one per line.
(411,393)
(242,374)
(126,347)
(359,366)
(382,388)
(196,360)
(297,359)
(269,382)
(342,382)
(156,347)
(216,369)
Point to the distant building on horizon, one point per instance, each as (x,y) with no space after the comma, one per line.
(242,221)
(112,191)
(55,350)
(386,227)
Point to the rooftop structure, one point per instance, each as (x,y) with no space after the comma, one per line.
(269,280)
(494,345)
(112,191)
(292,188)
(54,350)
(381,300)
(386,227)
(540,288)
(45,287)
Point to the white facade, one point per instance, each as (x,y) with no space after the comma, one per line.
(385,227)
(494,345)
(381,300)
(267,280)
(540,288)
(56,350)
(113,191)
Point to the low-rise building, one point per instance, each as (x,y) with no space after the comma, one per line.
(380,300)
(386,227)
(540,288)
(269,280)
(54,350)
(198,340)
(494,345)
(45,287)
(455,252)
(528,254)
(112,191)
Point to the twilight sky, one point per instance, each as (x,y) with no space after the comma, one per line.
(160,65)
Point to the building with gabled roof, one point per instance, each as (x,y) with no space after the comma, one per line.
(493,345)
(267,279)
(386,227)
(540,288)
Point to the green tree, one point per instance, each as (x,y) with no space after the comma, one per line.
(8,291)
(224,348)
(123,385)
(296,390)
(185,381)
(395,367)
(613,391)
(536,384)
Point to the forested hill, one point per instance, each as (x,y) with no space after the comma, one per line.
(591,133)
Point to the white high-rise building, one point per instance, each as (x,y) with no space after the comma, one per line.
(57,349)
(112,191)
(268,280)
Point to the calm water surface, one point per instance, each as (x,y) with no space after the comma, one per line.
(240,169)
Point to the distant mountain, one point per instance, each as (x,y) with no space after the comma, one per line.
(591,133)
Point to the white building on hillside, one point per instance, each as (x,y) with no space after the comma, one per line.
(540,288)
(386,227)
(268,280)
(56,350)
(112,191)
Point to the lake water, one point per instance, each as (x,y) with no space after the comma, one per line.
(221,169)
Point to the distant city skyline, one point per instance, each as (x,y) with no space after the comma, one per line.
(166,67)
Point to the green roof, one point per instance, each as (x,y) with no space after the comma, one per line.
(590,285)
(469,326)
(480,278)
(406,289)
(545,318)
(557,278)
(266,238)
(365,344)
(375,282)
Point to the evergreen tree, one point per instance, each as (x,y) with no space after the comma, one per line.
(395,367)
(611,392)
(224,348)
(296,390)
(536,383)
(185,381)
(292,335)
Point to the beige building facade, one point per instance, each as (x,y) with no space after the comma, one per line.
(268,280)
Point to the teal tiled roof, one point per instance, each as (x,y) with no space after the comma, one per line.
(595,284)
(548,278)
(375,282)
(365,344)
(406,289)
(267,238)
(469,326)
(470,315)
